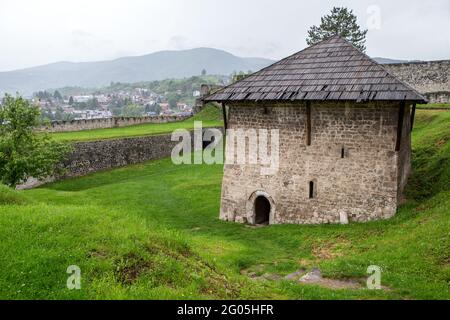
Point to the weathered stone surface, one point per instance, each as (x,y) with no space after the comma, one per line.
(438,97)
(429,77)
(92,156)
(343,217)
(295,275)
(115,122)
(315,277)
(366,184)
(100,155)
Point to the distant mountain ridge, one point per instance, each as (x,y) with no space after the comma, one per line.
(155,66)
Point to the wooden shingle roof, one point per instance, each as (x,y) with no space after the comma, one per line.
(332,69)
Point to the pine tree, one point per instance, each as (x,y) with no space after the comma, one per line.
(57,95)
(340,21)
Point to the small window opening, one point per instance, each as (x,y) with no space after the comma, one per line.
(266,110)
(311,189)
(342,152)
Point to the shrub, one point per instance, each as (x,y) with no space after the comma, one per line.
(23,152)
(10,196)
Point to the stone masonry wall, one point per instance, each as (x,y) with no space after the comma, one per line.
(92,156)
(89,124)
(364,184)
(431,78)
(438,97)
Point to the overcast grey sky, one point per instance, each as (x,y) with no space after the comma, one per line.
(38,32)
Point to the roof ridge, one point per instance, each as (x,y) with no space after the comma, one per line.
(384,69)
(320,58)
(276,62)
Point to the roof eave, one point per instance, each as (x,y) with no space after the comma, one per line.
(418,101)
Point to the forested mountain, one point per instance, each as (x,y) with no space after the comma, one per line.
(155,66)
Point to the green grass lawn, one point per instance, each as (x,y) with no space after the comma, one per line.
(151,231)
(210,117)
(434,106)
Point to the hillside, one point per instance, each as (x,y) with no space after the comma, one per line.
(151,231)
(155,66)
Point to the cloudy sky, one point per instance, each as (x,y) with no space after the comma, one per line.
(38,32)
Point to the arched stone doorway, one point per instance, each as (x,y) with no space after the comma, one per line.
(260,208)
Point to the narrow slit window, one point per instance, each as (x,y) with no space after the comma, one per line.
(308,123)
(342,153)
(311,189)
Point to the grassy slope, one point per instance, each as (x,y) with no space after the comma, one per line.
(10,196)
(210,117)
(434,106)
(151,231)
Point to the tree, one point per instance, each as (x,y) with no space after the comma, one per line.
(157,108)
(172,102)
(116,111)
(341,21)
(43,95)
(23,152)
(132,110)
(204,72)
(93,103)
(239,76)
(57,95)
(71,100)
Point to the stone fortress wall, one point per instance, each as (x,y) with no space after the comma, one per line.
(431,78)
(92,156)
(114,122)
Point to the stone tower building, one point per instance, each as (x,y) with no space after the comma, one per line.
(344,126)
